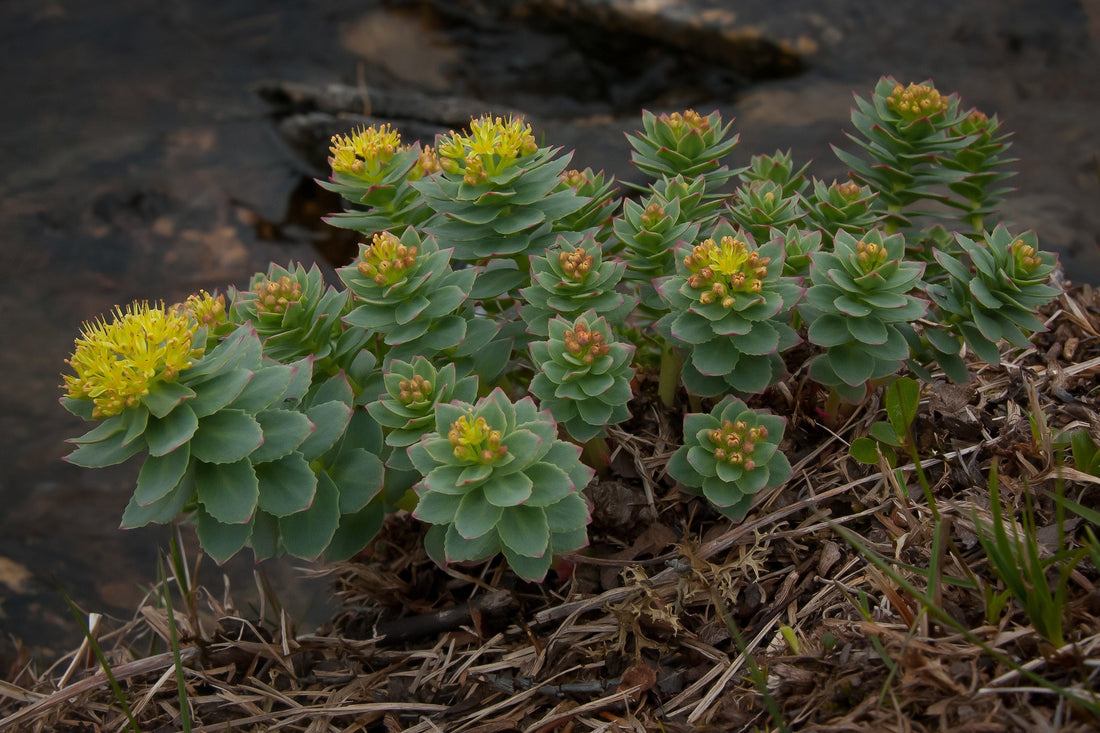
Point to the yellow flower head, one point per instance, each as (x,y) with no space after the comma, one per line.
(492,145)
(117,362)
(205,308)
(474,440)
(722,269)
(916,101)
(386,260)
(364,153)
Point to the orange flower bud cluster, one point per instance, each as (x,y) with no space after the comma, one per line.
(275,296)
(205,308)
(688,121)
(584,344)
(848,191)
(870,255)
(386,259)
(576,264)
(411,391)
(653,215)
(1024,256)
(735,442)
(473,440)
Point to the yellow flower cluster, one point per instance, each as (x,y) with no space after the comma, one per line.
(735,442)
(916,101)
(364,153)
(492,145)
(117,362)
(206,309)
(386,259)
(721,269)
(474,440)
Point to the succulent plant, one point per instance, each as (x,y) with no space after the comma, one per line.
(405,292)
(406,411)
(996,297)
(859,310)
(570,280)
(236,441)
(982,162)
(498,193)
(906,131)
(601,200)
(296,315)
(759,205)
(730,455)
(646,235)
(727,310)
(583,375)
(371,168)
(497,479)
(846,206)
(798,246)
(684,144)
(777,168)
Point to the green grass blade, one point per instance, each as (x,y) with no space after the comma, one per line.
(181,683)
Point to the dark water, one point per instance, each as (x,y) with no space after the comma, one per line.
(138,163)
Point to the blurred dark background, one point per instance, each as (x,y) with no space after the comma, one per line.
(152,149)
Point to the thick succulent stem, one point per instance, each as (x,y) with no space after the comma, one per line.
(597,455)
(670,376)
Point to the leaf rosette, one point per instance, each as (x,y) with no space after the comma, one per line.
(498,480)
(683,144)
(583,375)
(730,455)
(859,310)
(727,307)
(569,280)
(992,298)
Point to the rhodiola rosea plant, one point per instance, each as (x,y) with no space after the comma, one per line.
(503,309)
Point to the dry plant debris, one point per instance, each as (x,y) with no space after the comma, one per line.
(673,619)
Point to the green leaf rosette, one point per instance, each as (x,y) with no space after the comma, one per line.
(727,312)
(497,479)
(730,455)
(759,205)
(842,206)
(859,310)
(646,234)
(251,452)
(568,281)
(777,168)
(583,375)
(296,315)
(498,194)
(991,295)
(684,144)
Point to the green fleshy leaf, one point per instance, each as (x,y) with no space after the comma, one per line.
(307,533)
(355,532)
(218,540)
(885,433)
(437,508)
(475,515)
(761,340)
(473,474)
(902,401)
(868,330)
(701,460)
(360,475)
(829,330)
(435,543)
(283,431)
(80,407)
(286,486)
(215,393)
(135,421)
(865,451)
(721,493)
(105,429)
(549,482)
(266,387)
(330,419)
(226,437)
(568,514)
(851,364)
(691,328)
(163,397)
(228,491)
(459,549)
(161,511)
(166,434)
(160,474)
(523,529)
(104,453)
(755,373)
(568,541)
(265,535)
(852,307)
(507,490)
(523,444)
(594,412)
(333,389)
(715,359)
(529,568)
